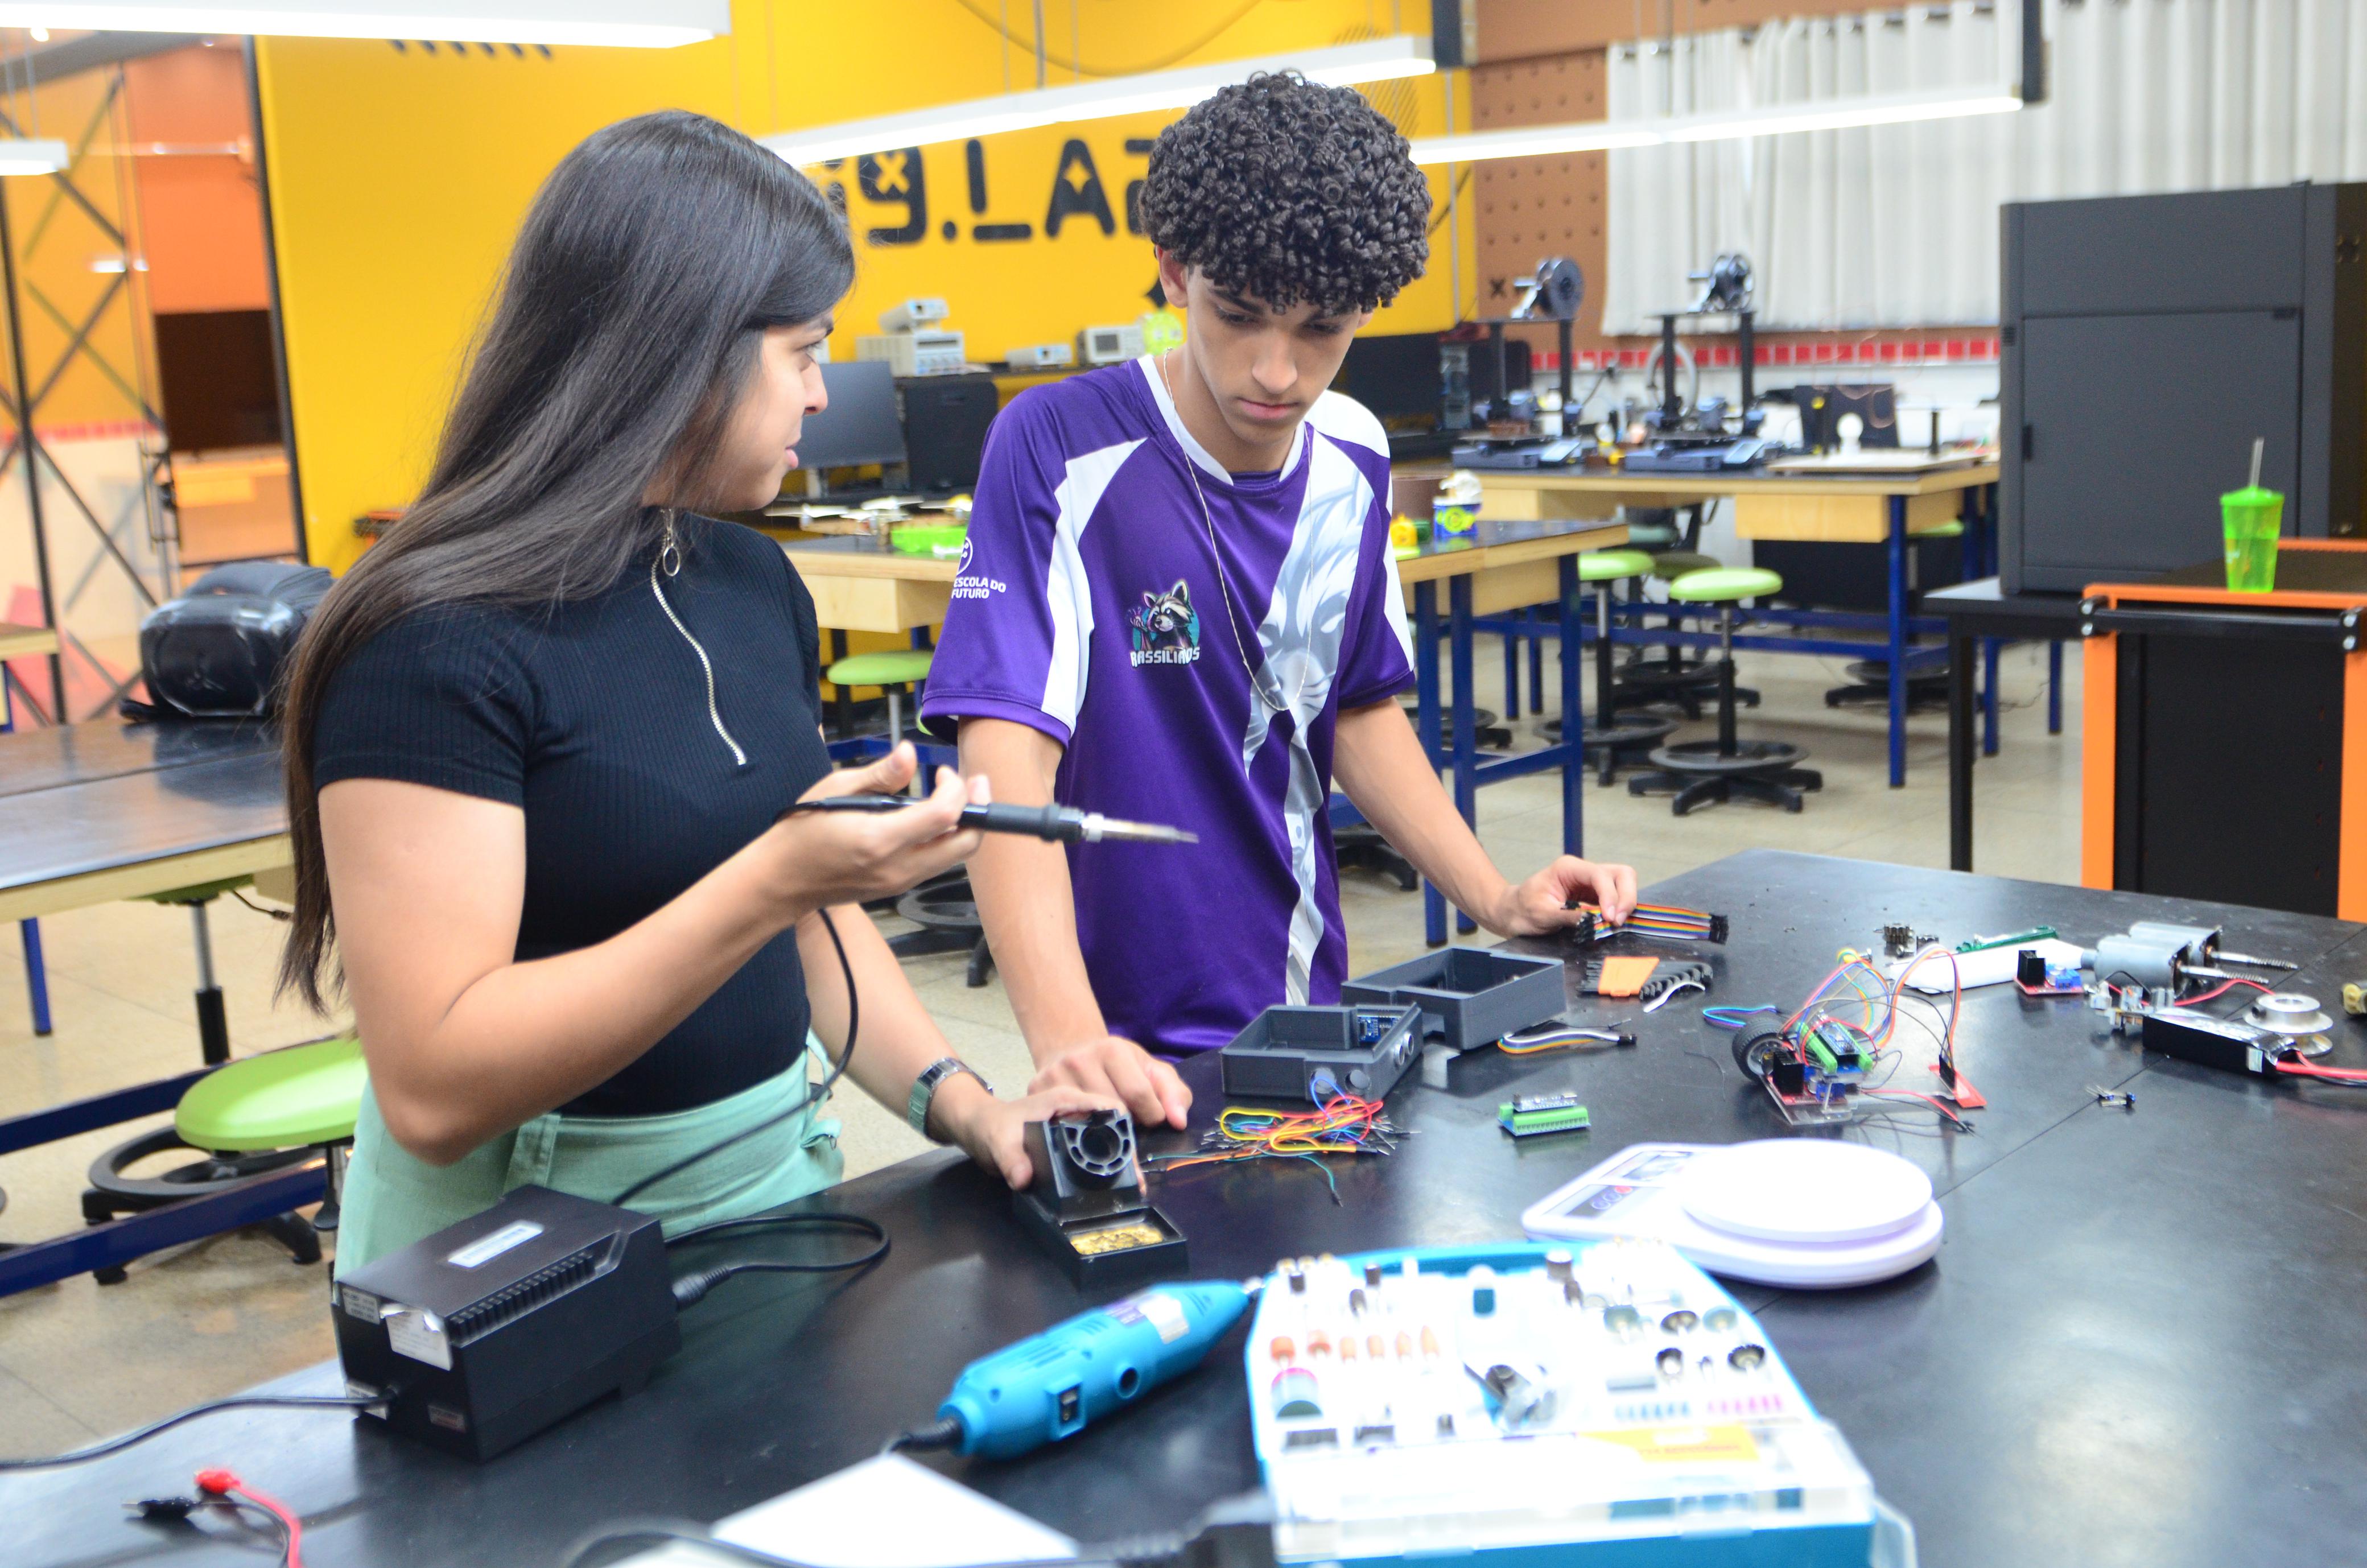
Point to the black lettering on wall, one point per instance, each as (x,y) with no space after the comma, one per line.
(896,178)
(1077,191)
(974,156)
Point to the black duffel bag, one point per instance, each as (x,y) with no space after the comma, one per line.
(218,651)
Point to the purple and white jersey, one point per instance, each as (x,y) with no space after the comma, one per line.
(1090,605)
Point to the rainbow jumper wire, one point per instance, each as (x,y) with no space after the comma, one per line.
(1665,921)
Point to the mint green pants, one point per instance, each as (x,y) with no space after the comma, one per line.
(392,1198)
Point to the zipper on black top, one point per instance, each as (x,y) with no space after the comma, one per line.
(669,560)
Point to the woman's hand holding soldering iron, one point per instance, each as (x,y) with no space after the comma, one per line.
(824,858)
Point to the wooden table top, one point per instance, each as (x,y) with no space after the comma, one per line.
(1612,482)
(20,642)
(1494,544)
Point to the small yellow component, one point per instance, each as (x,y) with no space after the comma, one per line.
(1430,1343)
(1376,1346)
(1685,1444)
(1282,1349)
(2354,998)
(1405,1345)
(1347,1347)
(1117,1238)
(1318,1343)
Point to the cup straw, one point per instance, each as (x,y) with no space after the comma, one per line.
(2258,443)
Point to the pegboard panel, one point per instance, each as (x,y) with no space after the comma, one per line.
(1529,208)
(1526,29)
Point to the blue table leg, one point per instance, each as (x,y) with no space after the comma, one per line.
(1466,739)
(1573,720)
(1425,687)
(1512,668)
(1538,671)
(37,974)
(1897,642)
(1989,647)
(36,977)
(2054,688)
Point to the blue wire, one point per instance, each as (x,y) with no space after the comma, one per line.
(1734,1018)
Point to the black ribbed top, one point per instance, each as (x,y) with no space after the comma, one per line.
(593,718)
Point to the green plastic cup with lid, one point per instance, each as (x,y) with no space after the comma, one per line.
(2251,519)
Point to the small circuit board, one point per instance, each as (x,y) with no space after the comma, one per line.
(1533,1115)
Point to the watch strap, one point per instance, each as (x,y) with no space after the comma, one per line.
(925,1087)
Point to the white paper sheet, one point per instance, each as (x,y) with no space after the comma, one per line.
(891,1513)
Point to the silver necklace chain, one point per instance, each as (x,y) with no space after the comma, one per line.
(1224,582)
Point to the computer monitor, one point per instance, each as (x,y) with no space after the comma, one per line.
(860,425)
(1396,376)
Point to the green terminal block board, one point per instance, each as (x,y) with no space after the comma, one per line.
(1534,1115)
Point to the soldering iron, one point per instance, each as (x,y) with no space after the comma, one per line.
(1046,1388)
(1058,824)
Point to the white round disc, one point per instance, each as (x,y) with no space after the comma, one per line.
(1805,1189)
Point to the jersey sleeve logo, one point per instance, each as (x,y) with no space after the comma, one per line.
(1164,629)
(968,584)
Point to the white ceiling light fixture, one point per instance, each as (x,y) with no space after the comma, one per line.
(644,24)
(1379,60)
(18,157)
(1774,120)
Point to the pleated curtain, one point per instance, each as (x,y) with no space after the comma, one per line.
(1897,226)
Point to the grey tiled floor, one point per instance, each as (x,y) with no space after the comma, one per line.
(77,1361)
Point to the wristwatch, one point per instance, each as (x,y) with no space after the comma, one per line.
(924,1090)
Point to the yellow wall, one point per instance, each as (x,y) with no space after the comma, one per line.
(398,179)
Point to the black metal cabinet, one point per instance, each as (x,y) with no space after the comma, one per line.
(2146,341)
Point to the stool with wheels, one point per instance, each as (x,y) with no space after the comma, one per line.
(1615,740)
(894,671)
(1700,770)
(1869,678)
(1644,681)
(247,1120)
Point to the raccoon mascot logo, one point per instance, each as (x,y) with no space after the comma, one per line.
(1164,629)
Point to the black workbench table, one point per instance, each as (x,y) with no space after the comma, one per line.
(1975,611)
(2141,1342)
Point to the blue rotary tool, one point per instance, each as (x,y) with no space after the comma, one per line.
(1048,1387)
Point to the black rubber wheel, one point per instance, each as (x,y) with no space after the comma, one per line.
(1758,1054)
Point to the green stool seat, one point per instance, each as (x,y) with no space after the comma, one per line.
(892,672)
(1724,584)
(1670,565)
(301,1097)
(894,667)
(1613,566)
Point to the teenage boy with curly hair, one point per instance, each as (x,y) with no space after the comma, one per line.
(1178,604)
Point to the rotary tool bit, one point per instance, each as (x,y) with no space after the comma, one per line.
(1058,824)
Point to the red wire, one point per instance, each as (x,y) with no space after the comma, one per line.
(2340,1074)
(223,1483)
(2221,989)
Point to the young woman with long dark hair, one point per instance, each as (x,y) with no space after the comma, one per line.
(539,741)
